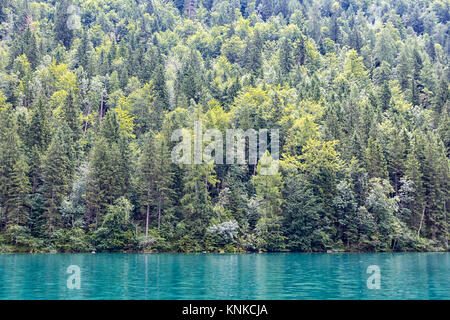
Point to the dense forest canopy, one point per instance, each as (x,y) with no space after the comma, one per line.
(91,91)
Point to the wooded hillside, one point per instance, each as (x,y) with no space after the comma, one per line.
(91,91)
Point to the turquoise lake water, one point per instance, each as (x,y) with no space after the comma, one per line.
(226,276)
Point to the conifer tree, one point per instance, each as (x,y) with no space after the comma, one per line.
(37,140)
(19,202)
(375,160)
(14,182)
(62,32)
(109,169)
(285,56)
(154,177)
(57,172)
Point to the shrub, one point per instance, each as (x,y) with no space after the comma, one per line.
(116,232)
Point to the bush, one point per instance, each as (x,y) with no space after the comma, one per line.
(224,233)
(20,237)
(116,232)
(72,240)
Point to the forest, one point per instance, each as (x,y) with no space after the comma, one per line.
(91,91)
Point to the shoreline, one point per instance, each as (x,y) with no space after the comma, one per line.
(225,253)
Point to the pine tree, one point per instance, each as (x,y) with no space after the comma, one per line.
(57,172)
(37,140)
(154,177)
(190,78)
(71,114)
(403,70)
(304,216)
(417,65)
(414,173)
(62,32)
(14,182)
(442,98)
(237,200)
(444,131)
(435,177)
(321,165)
(161,103)
(300,51)
(30,47)
(268,187)
(285,56)
(383,76)
(109,169)
(84,51)
(164,176)
(253,55)
(19,201)
(345,207)
(196,204)
(396,156)
(375,161)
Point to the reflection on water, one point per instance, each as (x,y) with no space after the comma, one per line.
(228,276)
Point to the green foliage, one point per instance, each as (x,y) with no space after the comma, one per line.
(306,220)
(375,160)
(15,186)
(70,240)
(21,238)
(57,171)
(109,169)
(116,231)
(359,92)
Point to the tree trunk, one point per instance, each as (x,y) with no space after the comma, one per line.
(421,220)
(159,211)
(146,220)
(101,109)
(148,213)
(446,223)
(87,118)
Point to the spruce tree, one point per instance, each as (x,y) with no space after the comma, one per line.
(154,177)
(285,56)
(109,169)
(375,161)
(14,182)
(57,172)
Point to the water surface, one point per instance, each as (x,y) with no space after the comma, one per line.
(227,276)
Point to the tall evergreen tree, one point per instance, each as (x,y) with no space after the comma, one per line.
(109,169)
(57,172)
(375,160)
(14,182)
